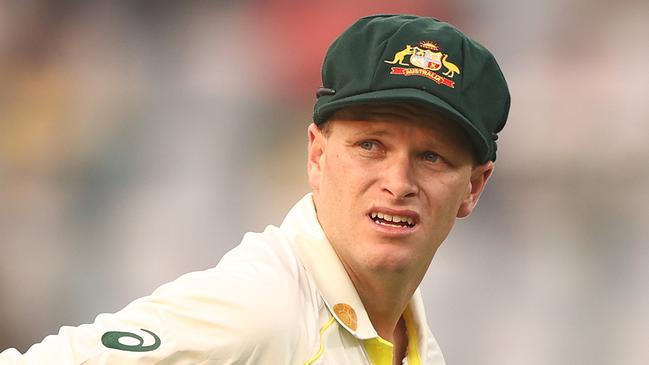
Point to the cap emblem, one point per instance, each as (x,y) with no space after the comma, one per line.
(427,58)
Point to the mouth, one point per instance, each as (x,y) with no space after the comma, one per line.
(394,219)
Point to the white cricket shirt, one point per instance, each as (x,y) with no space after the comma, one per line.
(280,297)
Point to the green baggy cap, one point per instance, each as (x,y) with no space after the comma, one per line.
(408,58)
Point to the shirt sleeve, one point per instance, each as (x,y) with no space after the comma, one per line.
(220,316)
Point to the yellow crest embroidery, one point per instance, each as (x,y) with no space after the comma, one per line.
(427,58)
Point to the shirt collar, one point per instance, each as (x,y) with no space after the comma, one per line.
(336,288)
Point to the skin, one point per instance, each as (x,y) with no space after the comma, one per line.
(391,158)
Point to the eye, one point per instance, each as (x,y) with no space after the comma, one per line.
(367,145)
(430,156)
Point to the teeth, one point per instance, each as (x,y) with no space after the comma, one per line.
(392,218)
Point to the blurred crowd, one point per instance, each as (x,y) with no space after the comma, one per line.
(139,140)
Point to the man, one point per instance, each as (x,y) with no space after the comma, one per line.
(401,145)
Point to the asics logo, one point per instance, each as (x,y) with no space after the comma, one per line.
(128,341)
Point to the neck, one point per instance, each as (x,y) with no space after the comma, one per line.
(394,291)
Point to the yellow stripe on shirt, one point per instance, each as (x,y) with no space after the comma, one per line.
(321,349)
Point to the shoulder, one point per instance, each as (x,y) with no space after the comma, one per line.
(252,307)
(253,296)
(268,253)
(261,269)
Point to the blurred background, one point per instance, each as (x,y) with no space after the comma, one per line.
(139,140)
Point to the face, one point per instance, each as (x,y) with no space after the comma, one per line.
(388,183)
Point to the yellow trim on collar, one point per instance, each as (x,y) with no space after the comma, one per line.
(413,339)
(379,351)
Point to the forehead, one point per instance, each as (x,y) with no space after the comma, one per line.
(427,121)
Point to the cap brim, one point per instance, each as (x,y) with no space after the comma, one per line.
(483,150)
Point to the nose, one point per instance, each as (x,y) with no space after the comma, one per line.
(399,178)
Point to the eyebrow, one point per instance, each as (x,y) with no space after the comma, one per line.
(371,133)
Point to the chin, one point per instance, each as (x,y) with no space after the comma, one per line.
(389,260)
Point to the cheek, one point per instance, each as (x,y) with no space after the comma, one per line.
(334,191)
(331,176)
(345,175)
(343,190)
(443,204)
(447,194)
(339,200)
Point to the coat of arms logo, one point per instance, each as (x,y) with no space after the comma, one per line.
(427,58)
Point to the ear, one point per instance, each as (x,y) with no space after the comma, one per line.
(479,176)
(315,162)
